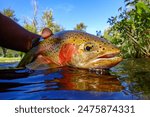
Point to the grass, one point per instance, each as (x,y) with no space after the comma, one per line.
(8,60)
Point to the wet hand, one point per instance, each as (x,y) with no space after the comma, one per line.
(46,33)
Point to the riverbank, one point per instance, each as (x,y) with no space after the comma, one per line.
(8,60)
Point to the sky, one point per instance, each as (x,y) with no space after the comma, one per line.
(68,13)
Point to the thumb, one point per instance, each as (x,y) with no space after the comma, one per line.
(46,32)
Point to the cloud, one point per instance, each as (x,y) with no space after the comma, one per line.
(65,7)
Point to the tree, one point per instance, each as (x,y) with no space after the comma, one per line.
(48,21)
(131,28)
(32,25)
(11,14)
(81,26)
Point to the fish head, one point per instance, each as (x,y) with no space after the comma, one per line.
(83,50)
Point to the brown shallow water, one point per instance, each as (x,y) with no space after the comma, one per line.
(130,80)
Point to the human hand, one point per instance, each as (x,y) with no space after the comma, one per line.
(46,33)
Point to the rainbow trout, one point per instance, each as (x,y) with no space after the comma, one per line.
(72,48)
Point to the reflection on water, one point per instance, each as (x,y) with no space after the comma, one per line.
(129,80)
(83,80)
(135,77)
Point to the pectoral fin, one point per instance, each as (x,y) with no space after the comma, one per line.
(28,58)
(41,63)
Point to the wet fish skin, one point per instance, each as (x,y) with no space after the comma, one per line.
(72,48)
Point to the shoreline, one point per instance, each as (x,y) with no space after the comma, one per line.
(9,60)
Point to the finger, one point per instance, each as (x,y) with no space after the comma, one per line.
(46,32)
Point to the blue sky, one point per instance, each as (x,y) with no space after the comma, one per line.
(67,13)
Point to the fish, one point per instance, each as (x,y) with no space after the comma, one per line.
(72,48)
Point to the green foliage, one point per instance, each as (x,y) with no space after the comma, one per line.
(10,13)
(4,52)
(48,21)
(10,53)
(32,25)
(81,26)
(131,29)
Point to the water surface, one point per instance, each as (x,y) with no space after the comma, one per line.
(130,80)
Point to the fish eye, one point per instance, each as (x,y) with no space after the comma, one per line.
(88,47)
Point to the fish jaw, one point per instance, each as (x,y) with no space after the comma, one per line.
(107,60)
(101,63)
(104,61)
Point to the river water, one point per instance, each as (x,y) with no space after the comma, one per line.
(130,80)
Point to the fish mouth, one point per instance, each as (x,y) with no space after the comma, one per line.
(105,61)
(110,55)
